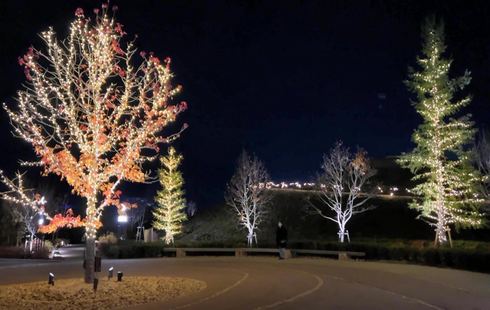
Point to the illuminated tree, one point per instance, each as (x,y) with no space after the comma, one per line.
(93,114)
(247,195)
(29,208)
(441,159)
(28,217)
(482,160)
(343,177)
(169,213)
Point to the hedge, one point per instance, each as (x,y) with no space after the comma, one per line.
(132,250)
(20,252)
(473,256)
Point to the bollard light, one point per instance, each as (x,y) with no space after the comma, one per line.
(119,276)
(110,274)
(96,283)
(51,279)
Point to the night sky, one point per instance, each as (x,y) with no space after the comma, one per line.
(282,79)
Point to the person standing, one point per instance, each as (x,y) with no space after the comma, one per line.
(281,239)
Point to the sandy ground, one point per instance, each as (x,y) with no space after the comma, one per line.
(75,294)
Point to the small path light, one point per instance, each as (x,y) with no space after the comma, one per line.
(110,274)
(51,279)
(96,283)
(119,276)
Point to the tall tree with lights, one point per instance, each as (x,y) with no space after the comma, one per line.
(169,213)
(93,113)
(247,195)
(446,179)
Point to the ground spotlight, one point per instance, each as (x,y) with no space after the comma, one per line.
(119,276)
(96,283)
(51,279)
(110,274)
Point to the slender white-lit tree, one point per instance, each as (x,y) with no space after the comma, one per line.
(93,114)
(28,207)
(170,211)
(29,219)
(247,195)
(441,160)
(343,177)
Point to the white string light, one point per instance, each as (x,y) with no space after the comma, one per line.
(92,116)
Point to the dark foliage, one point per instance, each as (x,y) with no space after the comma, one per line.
(464,255)
(19,252)
(133,250)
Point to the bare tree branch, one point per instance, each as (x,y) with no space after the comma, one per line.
(342,179)
(247,195)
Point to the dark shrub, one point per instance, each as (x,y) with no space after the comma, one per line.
(111,251)
(132,250)
(12,252)
(19,252)
(469,255)
(41,253)
(153,250)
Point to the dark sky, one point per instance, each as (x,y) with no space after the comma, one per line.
(283,79)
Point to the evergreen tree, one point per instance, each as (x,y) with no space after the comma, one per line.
(446,180)
(169,213)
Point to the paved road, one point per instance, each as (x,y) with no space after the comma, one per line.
(75,251)
(266,283)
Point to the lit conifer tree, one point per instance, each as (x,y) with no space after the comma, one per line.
(169,214)
(446,180)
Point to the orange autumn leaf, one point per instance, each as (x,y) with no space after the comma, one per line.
(94,134)
(68,221)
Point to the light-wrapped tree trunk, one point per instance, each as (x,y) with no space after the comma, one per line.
(28,206)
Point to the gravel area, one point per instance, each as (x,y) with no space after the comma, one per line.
(75,294)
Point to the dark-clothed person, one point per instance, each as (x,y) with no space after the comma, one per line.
(281,239)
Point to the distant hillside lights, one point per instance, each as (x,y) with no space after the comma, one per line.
(290,185)
(382,190)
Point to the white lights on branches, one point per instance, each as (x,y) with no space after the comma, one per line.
(92,112)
